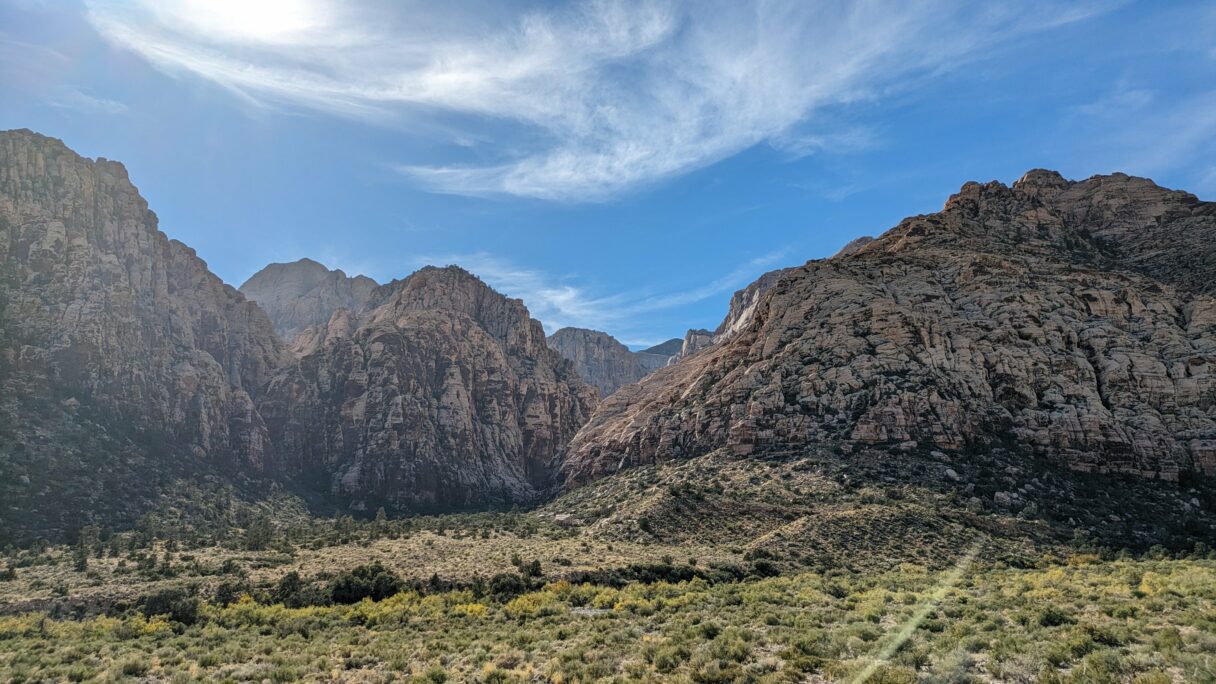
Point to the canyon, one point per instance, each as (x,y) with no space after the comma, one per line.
(1069,323)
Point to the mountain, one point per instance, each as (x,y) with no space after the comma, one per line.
(123,361)
(979,370)
(603,361)
(1071,322)
(304,293)
(440,394)
(126,367)
(739,313)
(666,349)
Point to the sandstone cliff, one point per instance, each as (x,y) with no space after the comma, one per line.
(665,349)
(441,394)
(305,293)
(602,361)
(123,360)
(125,366)
(1069,320)
(739,313)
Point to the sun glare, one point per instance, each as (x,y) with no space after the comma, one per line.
(268,21)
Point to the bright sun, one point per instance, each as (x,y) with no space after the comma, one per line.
(268,21)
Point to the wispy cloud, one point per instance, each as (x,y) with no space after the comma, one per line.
(559,301)
(1132,130)
(596,98)
(74,98)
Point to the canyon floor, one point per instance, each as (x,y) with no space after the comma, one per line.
(671,573)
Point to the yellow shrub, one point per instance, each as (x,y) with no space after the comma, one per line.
(156,626)
(470,609)
(392,608)
(1083,559)
(31,624)
(535,604)
(640,606)
(1153,583)
(605,598)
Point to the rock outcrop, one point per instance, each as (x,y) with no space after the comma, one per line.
(665,349)
(602,361)
(1069,320)
(854,245)
(694,341)
(125,366)
(304,293)
(441,394)
(739,313)
(123,360)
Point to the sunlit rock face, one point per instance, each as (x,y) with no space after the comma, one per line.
(602,361)
(441,394)
(1070,320)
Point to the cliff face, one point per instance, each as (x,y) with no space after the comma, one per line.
(665,349)
(441,394)
(739,313)
(304,293)
(125,365)
(108,310)
(602,361)
(112,338)
(1071,320)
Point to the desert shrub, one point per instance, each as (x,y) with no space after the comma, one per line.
(765,568)
(506,585)
(179,605)
(230,592)
(1052,616)
(1153,677)
(535,604)
(435,675)
(134,667)
(292,591)
(373,581)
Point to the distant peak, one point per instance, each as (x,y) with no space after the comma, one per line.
(571,330)
(1039,179)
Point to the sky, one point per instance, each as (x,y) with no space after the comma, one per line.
(622,166)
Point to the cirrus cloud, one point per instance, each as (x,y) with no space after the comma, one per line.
(593,99)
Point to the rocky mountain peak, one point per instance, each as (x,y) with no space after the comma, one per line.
(603,361)
(126,366)
(441,394)
(453,289)
(1072,321)
(305,293)
(1040,180)
(123,361)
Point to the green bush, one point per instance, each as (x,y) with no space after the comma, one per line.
(372,581)
(179,605)
(1051,616)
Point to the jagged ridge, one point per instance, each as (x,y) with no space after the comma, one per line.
(1068,320)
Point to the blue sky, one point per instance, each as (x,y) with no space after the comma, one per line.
(619,165)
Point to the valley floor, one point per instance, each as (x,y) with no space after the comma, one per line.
(1086,620)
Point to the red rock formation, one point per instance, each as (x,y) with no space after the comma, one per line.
(441,394)
(1071,320)
(304,293)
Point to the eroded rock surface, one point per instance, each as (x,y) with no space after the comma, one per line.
(123,360)
(1071,320)
(441,394)
(602,361)
(304,293)
(125,366)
